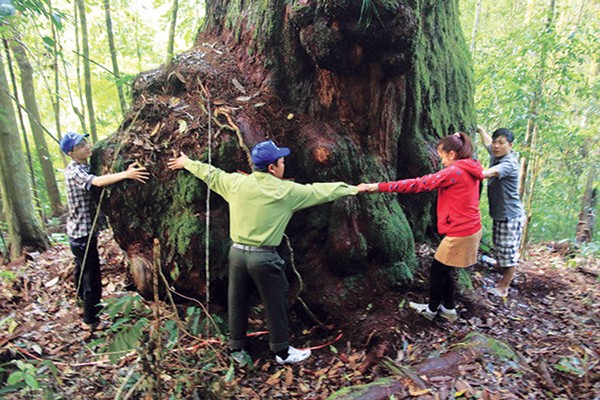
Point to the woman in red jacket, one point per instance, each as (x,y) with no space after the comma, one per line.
(458,218)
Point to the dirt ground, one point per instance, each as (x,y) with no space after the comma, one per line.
(549,321)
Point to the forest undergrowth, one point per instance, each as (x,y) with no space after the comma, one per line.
(540,342)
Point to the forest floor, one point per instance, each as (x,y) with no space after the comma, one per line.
(544,341)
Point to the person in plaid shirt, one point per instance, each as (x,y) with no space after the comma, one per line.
(505,205)
(79,182)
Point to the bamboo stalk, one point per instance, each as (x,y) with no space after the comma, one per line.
(157,341)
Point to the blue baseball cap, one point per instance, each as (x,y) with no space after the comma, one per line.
(71,140)
(267,152)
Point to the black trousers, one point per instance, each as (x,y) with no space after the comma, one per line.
(87,278)
(266,271)
(441,286)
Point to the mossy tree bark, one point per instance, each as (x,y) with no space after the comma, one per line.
(409,381)
(361,92)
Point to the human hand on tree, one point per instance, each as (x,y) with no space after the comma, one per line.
(368,188)
(177,163)
(136,172)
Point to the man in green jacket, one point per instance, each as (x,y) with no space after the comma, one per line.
(260,206)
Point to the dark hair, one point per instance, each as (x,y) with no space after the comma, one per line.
(504,132)
(261,169)
(458,142)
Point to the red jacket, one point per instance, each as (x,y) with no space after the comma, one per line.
(458,195)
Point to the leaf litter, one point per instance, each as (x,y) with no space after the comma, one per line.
(540,342)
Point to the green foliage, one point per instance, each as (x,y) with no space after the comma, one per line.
(464,279)
(591,250)
(182,224)
(182,228)
(131,321)
(125,306)
(368,10)
(489,345)
(131,333)
(24,377)
(124,338)
(574,365)
(511,60)
(194,318)
(197,323)
(7,276)
(27,378)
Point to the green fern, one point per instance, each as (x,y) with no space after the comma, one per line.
(127,339)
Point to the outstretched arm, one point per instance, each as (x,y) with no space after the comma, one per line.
(491,172)
(177,163)
(485,138)
(304,196)
(217,180)
(368,188)
(134,172)
(427,183)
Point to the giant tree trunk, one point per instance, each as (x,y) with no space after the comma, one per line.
(24,228)
(359,94)
(87,75)
(39,138)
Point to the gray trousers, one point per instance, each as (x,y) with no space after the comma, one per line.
(265,270)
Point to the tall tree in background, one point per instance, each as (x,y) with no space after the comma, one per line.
(29,96)
(475,28)
(80,113)
(24,227)
(172,25)
(540,81)
(508,65)
(87,75)
(16,97)
(591,153)
(113,56)
(55,98)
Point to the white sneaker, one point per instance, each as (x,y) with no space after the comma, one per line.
(423,309)
(449,313)
(294,356)
(488,260)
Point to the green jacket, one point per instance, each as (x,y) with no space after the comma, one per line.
(260,204)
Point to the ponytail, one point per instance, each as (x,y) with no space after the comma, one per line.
(459,143)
